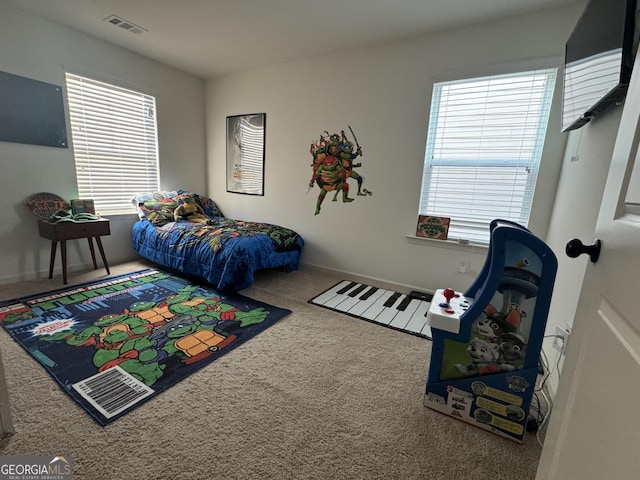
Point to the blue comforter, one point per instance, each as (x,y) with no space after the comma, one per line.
(226,253)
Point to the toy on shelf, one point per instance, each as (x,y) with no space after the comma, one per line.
(487,340)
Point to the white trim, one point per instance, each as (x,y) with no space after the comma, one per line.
(356,277)
(451,244)
(104,78)
(469,72)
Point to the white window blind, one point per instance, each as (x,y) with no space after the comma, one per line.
(114,142)
(245,153)
(251,153)
(483,150)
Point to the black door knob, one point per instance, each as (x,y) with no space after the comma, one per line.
(576,248)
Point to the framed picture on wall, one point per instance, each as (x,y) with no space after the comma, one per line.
(245,153)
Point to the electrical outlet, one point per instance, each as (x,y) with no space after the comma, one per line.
(560,342)
(464,266)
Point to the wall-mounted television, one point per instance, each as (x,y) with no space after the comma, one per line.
(598,60)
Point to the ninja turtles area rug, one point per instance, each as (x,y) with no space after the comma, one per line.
(115,343)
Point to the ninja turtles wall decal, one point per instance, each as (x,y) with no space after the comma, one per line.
(333,166)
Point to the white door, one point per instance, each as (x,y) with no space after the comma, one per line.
(594,430)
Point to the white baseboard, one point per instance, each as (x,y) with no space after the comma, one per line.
(42,274)
(364,279)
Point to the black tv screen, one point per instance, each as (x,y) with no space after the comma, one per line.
(31,112)
(598,60)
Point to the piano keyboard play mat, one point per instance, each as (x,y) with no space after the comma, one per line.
(404,312)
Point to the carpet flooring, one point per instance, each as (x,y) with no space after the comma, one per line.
(316,396)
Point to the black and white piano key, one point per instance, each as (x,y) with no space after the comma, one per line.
(352,297)
(340,296)
(374,310)
(426,331)
(343,296)
(353,293)
(393,309)
(366,300)
(419,318)
(331,293)
(346,303)
(403,316)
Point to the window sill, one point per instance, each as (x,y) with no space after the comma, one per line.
(119,214)
(450,244)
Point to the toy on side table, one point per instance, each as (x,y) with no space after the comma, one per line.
(487,340)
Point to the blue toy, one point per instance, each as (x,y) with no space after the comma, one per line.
(487,340)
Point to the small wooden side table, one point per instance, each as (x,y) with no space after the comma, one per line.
(63,231)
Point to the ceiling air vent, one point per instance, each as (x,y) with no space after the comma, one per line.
(125,24)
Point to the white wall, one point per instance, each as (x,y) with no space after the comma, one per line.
(383,93)
(42,50)
(580,189)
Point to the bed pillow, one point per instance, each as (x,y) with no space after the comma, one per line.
(209,206)
(158,207)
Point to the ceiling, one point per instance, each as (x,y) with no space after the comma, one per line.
(208,38)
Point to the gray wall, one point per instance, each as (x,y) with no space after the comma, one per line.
(580,189)
(384,93)
(42,50)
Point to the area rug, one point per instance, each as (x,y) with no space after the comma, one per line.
(404,312)
(114,344)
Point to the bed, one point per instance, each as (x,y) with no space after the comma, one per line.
(223,251)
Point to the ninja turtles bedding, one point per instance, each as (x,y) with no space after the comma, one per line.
(188,233)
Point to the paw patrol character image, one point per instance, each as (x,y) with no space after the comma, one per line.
(483,356)
(496,323)
(513,350)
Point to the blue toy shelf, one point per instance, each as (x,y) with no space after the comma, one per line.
(487,340)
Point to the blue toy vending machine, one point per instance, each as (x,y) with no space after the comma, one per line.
(487,340)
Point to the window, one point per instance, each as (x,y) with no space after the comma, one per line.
(114,142)
(483,150)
